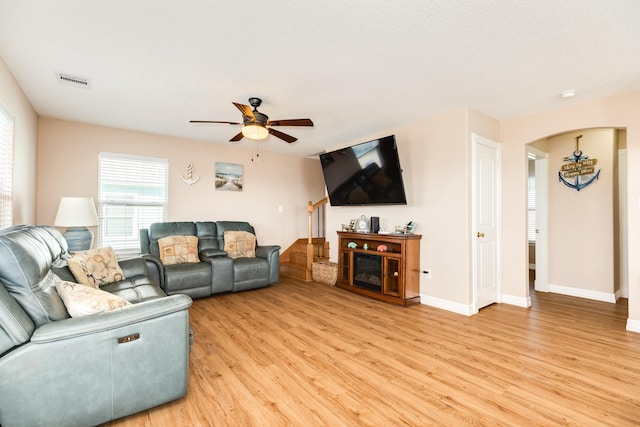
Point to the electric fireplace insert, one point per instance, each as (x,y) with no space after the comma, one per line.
(367,271)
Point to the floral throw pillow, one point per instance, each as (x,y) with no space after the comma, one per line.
(95,267)
(240,244)
(178,250)
(81,300)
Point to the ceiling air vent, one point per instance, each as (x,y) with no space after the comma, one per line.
(76,81)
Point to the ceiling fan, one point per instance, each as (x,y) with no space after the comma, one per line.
(257,125)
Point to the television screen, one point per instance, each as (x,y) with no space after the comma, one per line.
(364,174)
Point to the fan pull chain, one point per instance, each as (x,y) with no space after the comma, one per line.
(257,151)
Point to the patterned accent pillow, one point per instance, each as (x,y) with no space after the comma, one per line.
(95,267)
(240,244)
(178,250)
(81,300)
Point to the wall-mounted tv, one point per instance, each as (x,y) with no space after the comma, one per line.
(364,174)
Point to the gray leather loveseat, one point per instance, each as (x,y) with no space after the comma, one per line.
(56,370)
(215,271)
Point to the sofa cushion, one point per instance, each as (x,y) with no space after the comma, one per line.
(25,262)
(135,289)
(158,230)
(224,226)
(54,241)
(240,244)
(178,250)
(81,300)
(185,276)
(95,267)
(16,327)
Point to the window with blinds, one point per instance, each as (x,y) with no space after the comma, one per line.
(6,167)
(132,195)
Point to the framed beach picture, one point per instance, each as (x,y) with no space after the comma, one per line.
(228,176)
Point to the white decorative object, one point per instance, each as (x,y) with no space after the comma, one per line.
(190,180)
(362,226)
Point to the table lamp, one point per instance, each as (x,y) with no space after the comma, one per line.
(77,214)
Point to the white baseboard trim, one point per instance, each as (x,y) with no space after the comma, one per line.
(582,293)
(633,325)
(465,310)
(517,301)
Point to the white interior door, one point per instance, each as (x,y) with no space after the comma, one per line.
(622,197)
(486,213)
(541,282)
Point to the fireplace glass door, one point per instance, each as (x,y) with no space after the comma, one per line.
(392,276)
(367,271)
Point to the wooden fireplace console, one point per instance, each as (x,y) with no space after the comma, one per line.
(399,269)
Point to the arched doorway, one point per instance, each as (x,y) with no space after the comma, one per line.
(580,246)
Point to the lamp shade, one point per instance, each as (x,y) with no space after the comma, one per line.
(255,131)
(76,212)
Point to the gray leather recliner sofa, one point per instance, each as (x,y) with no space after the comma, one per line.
(83,371)
(216,272)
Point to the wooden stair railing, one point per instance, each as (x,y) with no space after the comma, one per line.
(310,208)
(297,260)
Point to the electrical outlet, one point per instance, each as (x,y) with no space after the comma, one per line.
(427,274)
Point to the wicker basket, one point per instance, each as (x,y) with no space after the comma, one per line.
(325,272)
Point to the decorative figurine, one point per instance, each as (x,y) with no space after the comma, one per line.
(581,169)
(352,245)
(382,248)
(190,180)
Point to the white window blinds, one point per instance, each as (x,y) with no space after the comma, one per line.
(132,195)
(6,167)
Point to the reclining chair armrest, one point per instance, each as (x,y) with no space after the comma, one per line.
(267,251)
(134,267)
(155,269)
(144,240)
(211,253)
(221,272)
(272,254)
(136,313)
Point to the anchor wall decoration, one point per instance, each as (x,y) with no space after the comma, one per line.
(190,180)
(580,171)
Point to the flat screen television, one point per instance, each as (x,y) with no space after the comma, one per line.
(364,174)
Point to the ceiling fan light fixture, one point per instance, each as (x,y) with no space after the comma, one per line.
(255,131)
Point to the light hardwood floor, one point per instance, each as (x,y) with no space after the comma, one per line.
(306,354)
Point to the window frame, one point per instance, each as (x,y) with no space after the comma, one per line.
(137,185)
(7,142)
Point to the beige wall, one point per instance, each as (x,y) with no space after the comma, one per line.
(24,148)
(581,223)
(618,111)
(68,166)
(435,155)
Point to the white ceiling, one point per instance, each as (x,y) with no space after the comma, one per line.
(355,67)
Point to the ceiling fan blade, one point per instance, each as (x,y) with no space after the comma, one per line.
(290,122)
(282,136)
(214,121)
(237,138)
(245,109)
